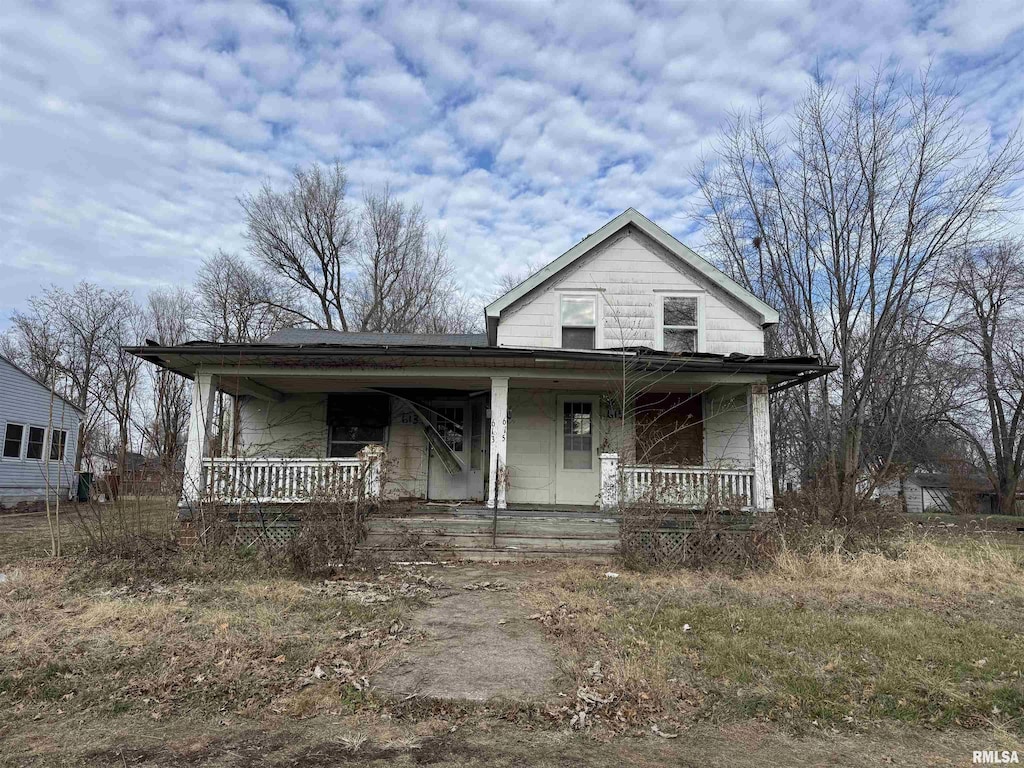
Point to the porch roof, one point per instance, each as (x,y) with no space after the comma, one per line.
(272,363)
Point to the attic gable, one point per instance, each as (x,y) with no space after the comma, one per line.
(675,249)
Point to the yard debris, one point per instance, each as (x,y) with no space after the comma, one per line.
(687,627)
(611,575)
(658,732)
(368,593)
(486,586)
(594,671)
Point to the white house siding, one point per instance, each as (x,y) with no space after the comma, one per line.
(23,400)
(407,454)
(630,273)
(727,427)
(294,427)
(531,453)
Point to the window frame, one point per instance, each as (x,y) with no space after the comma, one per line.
(593,295)
(21,442)
(701,345)
(363,443)
(62,457)
(571,398)
(44,452)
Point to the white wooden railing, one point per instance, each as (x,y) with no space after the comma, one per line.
(674,485)
(290,480)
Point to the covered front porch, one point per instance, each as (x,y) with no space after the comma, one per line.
(493,426)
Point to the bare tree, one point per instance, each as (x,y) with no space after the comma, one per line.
(989,284)
(305,234)
(237,302)
(119,377)
(170,314)
(845,220)
(376,269)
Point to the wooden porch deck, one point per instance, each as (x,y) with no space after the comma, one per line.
(473,531)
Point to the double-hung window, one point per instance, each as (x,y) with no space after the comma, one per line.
(355,421)
(680,323)
(578,316)
(13,436)
(58,443)
(36,438)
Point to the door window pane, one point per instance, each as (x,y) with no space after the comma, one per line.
(577,436)
(35,443)
(12,441)
(449,425)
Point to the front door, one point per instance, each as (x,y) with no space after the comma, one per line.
(577,470)
(454,421)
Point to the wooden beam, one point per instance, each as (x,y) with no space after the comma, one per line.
(249,387)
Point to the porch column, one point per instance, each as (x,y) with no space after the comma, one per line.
(204,389)
(497,475)
(761,447)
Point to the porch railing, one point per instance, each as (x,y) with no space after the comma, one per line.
(674,485)
(289,480)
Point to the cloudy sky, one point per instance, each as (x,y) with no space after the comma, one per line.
(128,129)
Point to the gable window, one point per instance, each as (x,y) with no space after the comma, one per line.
(679,326)
(58,442)
(12,440)
(579,322)
(36,436)
(355,421)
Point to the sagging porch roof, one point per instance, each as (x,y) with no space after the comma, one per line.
(266,365)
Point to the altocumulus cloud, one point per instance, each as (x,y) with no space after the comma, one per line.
(129,129)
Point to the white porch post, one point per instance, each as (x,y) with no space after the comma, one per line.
(609,480)
(204,388)
(761,447)
(497,475)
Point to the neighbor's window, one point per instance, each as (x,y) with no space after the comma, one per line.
(12,441)
(355,421)
(679,324)
(36,436)
(579,322)
(58,442)
(577,435)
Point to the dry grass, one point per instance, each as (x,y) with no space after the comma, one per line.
(932,638)
(69,645)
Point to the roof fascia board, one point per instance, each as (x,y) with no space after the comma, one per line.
(768,314)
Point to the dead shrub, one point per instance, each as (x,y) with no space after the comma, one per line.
(329,531)
(810,521)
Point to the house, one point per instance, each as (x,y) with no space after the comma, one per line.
(40,434)
(627,361)
(942,492)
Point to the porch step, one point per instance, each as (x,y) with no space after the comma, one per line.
(493,553)
(531,527)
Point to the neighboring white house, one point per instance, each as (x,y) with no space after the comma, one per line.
(40,437)
(627,357)
(941,492)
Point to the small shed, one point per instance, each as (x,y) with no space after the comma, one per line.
(941,492)
(40,439)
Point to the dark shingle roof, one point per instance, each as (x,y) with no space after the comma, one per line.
(368,339)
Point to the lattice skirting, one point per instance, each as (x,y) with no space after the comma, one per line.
(687,546)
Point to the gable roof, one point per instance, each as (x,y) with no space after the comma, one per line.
(34,380)
(767,314)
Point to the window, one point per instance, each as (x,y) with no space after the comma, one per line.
(12,441)
(579,322)
(355,421)
(58,442)
(449,426)
(578,440)
(679,324)
(35,443)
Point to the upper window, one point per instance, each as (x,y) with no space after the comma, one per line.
(679,324)
(12,441)
(58,443)
(579,322)
(36,436)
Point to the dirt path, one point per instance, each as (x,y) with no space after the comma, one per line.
(477,643)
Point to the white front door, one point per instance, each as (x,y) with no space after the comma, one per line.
(454,421)
(577,433)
